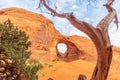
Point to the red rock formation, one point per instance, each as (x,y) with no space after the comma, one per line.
(45,37)
(72,52)
(42,33)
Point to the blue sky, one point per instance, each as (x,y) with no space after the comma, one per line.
(89,13)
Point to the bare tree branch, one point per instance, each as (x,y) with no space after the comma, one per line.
(98,35)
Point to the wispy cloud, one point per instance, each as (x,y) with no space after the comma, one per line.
(89,14)
(81,10)
(115,35)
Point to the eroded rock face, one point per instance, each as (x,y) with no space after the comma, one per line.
(44,37)
(72,52)
(41,31)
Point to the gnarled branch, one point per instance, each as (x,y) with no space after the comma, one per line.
(99,36)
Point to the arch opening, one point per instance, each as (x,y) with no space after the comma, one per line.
(62,48)
(67,51)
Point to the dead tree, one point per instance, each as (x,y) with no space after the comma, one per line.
(98,35)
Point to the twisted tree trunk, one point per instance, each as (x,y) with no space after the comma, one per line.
(98,35)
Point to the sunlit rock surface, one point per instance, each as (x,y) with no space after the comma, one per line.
(45,37)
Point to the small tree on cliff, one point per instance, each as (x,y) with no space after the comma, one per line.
(98,35)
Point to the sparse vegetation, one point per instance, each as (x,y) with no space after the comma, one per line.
(14,45)
(32,66)
(54,60)
(50,65)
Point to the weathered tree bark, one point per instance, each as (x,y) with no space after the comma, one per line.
(98,35)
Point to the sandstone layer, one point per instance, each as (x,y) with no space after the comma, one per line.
(80,57)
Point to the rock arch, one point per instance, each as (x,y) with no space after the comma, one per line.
(72,52)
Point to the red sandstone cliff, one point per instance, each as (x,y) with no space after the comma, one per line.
(45,37)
